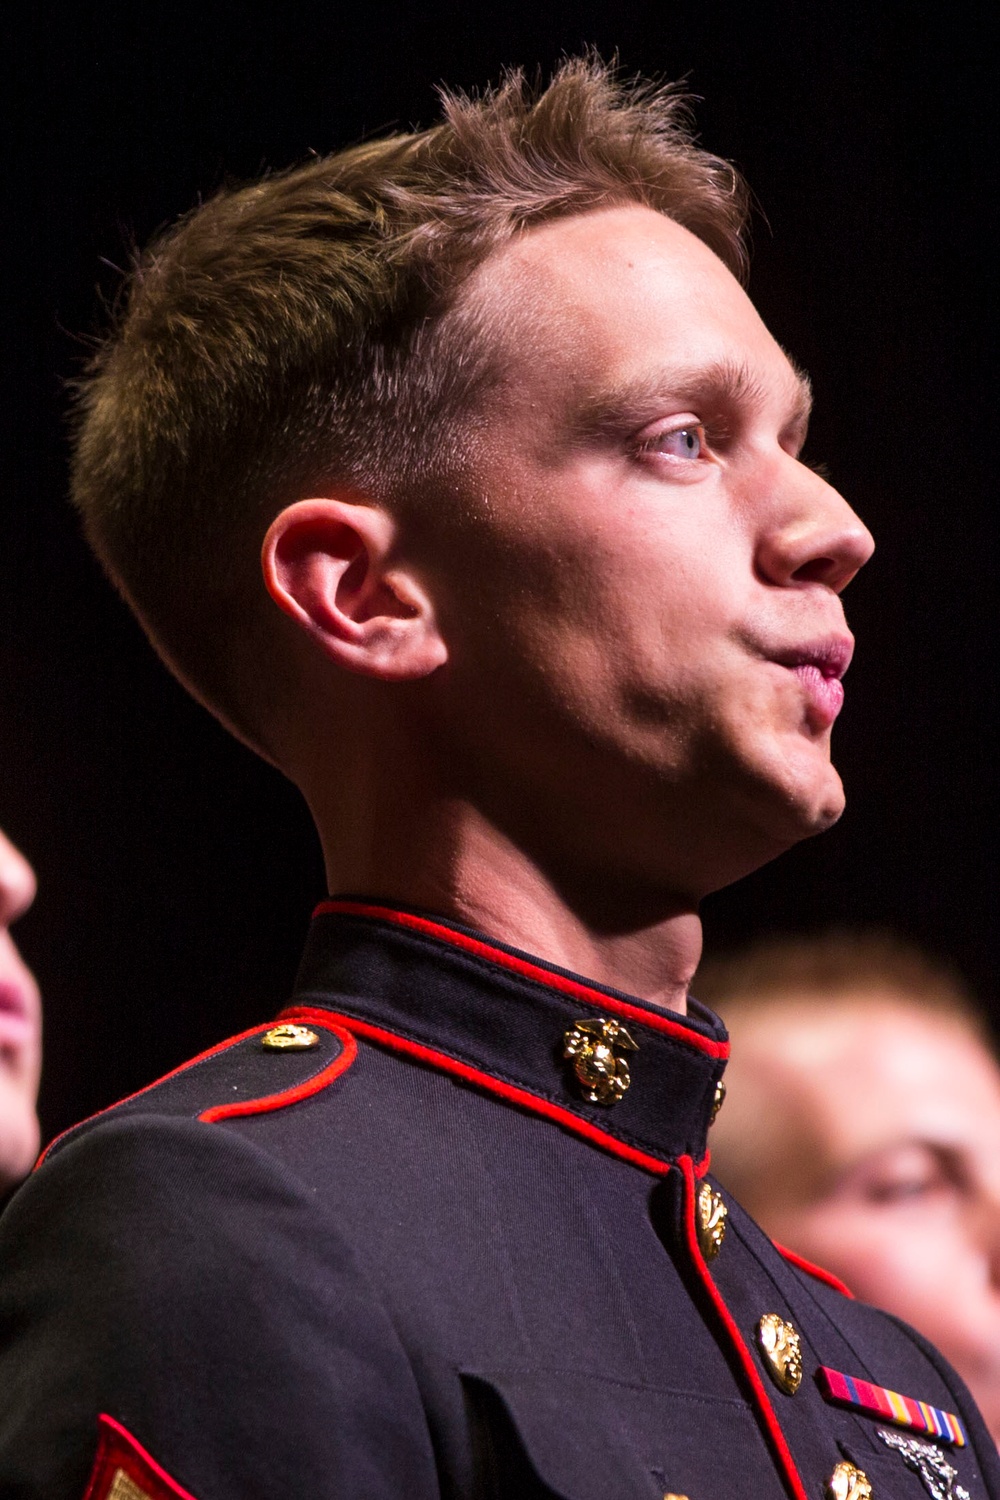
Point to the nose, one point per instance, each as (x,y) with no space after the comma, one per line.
(17,883)
(812,535)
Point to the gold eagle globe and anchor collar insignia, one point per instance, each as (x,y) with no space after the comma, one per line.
(848,1482)
(593,1047)
(782,1350)
(710,1216)
(518,1023)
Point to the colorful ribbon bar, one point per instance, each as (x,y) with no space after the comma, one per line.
(876,1401)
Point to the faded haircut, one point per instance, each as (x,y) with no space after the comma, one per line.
(307,331)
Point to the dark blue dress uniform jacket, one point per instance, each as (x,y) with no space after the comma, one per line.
(413,1263)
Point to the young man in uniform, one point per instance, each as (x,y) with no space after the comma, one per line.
(458,476)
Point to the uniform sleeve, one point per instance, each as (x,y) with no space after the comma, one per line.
(168,1273)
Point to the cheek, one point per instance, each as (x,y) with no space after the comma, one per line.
(925,1268)
(894,1263)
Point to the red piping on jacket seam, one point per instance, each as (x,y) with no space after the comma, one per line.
(219,1047)
(820,1272)
(508,1091)
(313,1085)
(241,1107)
(772,1427)
(526,970)
(118,1450)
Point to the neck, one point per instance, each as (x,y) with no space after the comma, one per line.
(444,857)
(653,960)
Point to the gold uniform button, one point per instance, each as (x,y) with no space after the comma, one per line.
(288,1038)
(782,1350)
(848,1482)
(594,1047)
(718,1101)
(711,1219)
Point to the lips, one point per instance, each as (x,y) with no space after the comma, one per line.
(830,656)
(15,1021)
(819,665)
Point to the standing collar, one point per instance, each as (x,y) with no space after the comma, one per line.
(503,1021)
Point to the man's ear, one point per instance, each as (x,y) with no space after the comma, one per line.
(330,565)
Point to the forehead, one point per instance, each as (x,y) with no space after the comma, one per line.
(923,1075)
(604,306)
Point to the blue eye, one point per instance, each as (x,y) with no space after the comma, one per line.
(680,442)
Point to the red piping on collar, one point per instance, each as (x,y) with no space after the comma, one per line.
(765,1411)
(118,1452)
(820,1272)
(228,1111)
(526,970)
(508,1091)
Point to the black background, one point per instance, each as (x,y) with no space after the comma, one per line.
(177,873)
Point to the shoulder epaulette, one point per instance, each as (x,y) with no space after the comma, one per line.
(266,1068)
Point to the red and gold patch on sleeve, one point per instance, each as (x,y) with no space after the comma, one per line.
(123,1470)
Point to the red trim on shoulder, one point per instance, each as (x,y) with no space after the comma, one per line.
(312,1085)
(513,1095)
(526,970)
(211,1052)
(820,1273)
(118,1452)
(765,1411)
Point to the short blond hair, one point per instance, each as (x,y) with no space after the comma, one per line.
(302,331)
(835,967)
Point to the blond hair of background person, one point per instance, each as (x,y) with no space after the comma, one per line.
(862,1129)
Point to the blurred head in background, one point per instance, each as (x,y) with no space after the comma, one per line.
(862,1129)
(20,1026)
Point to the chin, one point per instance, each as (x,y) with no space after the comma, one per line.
(762,822)
(812,789)
(785,809)
(20,1140)
(814,810)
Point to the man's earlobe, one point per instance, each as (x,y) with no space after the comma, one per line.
(331,566)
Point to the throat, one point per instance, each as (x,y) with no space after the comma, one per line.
(654,961)
(624,935)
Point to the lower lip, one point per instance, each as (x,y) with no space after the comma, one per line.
(15,1033)
(15,1027)
(825,694)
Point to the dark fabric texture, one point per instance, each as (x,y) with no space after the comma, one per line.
(403,1285)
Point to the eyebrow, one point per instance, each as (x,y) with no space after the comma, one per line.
(718,386)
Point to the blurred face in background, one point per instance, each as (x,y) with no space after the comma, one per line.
(865,1134)
(20,1026)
